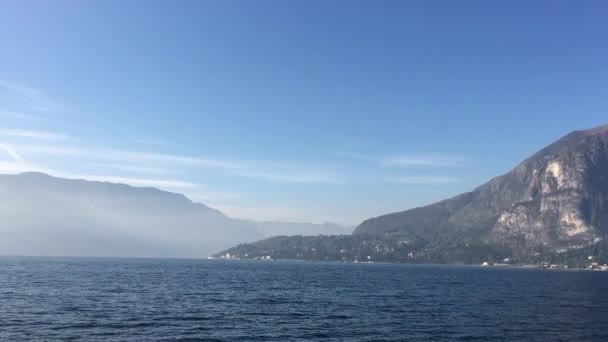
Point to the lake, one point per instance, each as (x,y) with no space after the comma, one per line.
(213,300)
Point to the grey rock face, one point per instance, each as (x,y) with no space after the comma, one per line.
(556,200)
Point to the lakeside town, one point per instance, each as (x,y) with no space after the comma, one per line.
(593,265)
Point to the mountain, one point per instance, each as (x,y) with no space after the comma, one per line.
(553,203)
(45,215)
(558,199)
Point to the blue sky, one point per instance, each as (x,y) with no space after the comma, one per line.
(296,110)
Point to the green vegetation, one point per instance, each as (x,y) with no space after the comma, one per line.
(360,248)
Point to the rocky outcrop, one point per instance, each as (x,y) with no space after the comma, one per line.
(556,200)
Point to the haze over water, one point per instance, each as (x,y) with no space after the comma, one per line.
(212,300)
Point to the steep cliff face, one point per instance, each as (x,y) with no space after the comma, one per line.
(555,200)
(568,198)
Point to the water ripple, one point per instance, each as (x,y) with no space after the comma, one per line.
(198,300)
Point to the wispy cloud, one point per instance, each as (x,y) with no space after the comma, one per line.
(158,142)
(20,89)
(20,166)
(270,172)
(145,182)
(167,158)
(429,159)
(424,180)
(357,156)
(12,114)
(409,159)
(40,135)
(12,153)
(52,150)
(130,168)
(34,98)
(130,157)
(310,177)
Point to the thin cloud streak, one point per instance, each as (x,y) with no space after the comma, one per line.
(12,153)
(424,180)
(169,158)
(20,89)
(13,167)
(270,172)
(130,168)
(296,178)
(413,160)
(144,182)
(35,98)
(123,156)
(159,142)
(409,160)
(17,115)
(40,135)
(356,156)
(52,150)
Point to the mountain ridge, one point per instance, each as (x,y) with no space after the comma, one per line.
(554,201)
(48,215)
(537,178)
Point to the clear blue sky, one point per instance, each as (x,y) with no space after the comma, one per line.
(296,110)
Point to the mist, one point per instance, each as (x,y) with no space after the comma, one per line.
(43,215)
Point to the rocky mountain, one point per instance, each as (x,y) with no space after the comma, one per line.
(554,202)
(557,199)
(44,215)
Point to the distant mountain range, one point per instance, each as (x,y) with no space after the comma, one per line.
(45,215)
(552,206)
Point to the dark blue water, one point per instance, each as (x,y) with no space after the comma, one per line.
(148,300)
